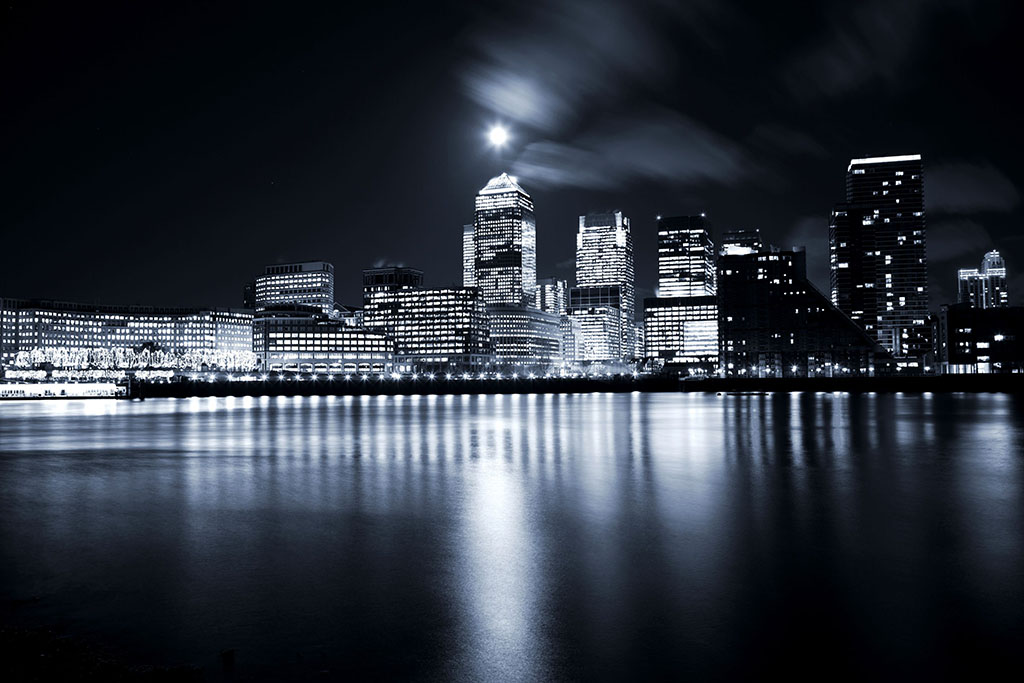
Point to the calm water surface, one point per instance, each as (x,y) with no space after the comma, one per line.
(597,536)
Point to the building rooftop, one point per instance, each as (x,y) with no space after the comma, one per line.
(502,183)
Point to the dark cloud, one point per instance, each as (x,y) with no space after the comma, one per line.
(775,138)
(966,188)
(656,145)
(564,55)
(861,43)
(961,241)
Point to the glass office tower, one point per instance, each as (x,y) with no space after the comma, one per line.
(877,260)
(506,244)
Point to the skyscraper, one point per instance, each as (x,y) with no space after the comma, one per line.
(878,264)
(686,256)
(468,256)
(604,259)
(506,243)
(984,287)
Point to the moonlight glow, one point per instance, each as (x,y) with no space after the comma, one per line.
(498,136)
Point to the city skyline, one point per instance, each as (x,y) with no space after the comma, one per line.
(126,173)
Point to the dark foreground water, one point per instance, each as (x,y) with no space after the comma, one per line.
(524,537)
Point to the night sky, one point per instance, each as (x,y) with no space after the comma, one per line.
(164,153)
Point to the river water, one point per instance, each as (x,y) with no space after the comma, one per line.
(523,537)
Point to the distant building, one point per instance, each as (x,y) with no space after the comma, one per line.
(774,323)
(28,324)
(683,331)
(878,264)
(525,338)
(391,279)
(307,283)
(601,322)
(552,294)
(686,256)
(573,347)
(468,256)
(505,233)
(984,287)
(604,258)
(739,242)
(249,296)
(301,339)
(970,339)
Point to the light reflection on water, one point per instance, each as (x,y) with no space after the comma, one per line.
(523,537)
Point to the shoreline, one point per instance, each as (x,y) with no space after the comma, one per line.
(1004,383)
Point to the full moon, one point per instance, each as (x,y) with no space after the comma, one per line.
(498,136)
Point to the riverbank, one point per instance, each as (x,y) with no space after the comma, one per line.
(349,386)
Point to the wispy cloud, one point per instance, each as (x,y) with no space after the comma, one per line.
(966,188)
(654,145)
(570,70)
(957,239)
(861,43)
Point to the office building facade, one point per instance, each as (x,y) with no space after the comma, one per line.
(505,239)
(686,257)
(27,325)
(468,256)
(296,339)
(525,339)
(604,258)
(877,255)
(601,322)
(434,330)
(984,287)
(682,331)
(306,283)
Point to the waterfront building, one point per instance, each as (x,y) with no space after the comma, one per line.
(525,339)
(439,329)
(604,258)
(27,325)
(303,339)
(552,295)
(774,323)
(468,256)
(682,331)
(971,339)
(877,257)
(306,283)
(984,287)
(686,256)
(601,322)
(505,233)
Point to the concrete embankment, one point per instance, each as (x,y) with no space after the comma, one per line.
(323,386)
